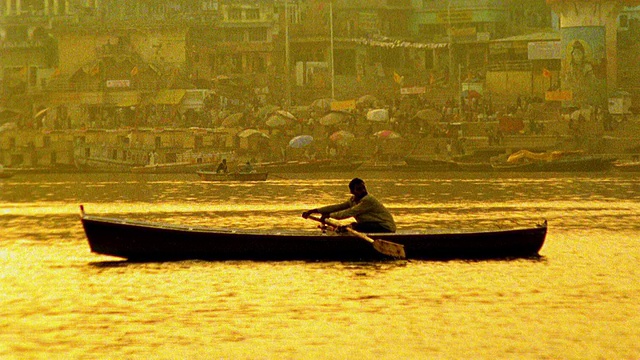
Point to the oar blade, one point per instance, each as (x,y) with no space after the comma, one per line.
(389,248)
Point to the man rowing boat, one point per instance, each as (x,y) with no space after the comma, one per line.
(371,216)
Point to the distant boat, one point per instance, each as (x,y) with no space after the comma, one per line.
(234,176)
(311,166)
(5,175)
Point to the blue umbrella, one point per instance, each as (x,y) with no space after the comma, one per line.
(300,141)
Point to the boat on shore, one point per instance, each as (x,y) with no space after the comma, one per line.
(147,241)
(555,161)
(232,176)
(311,166)
(185,167)
(627,166)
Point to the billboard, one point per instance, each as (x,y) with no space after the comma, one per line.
(584,64)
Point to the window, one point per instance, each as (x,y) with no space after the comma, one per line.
(258,35)
(258,64)
(235,35)
(235,14)
(253,14)
(236,63)
(624,21)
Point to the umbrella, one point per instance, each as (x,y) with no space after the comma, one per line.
(334,118)
(322,104)
(428,115)
(286,115)
(387,134)
(366,100)
(232,120)
(342,137)
(378,115)
(40,113)
(275,121)
(266,110)
(251,132)
(280,118)
(586,113)
(300,141)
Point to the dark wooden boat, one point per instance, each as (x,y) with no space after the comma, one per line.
(429,164)
(5,175)
(234,176)
(144,241)
(312,166)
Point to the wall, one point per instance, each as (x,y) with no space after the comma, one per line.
(508,84)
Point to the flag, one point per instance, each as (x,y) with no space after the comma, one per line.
(55,73)
(134,71)
(397,78)
(546,73)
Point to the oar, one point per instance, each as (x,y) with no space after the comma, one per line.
(384,247)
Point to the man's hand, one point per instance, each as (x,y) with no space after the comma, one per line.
(308,212)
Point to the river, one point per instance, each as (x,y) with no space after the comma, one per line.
(578,301)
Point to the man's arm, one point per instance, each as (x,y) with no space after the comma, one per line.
(326,210)
(360,208)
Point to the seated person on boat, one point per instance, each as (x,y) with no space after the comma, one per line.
(370,214)
(222,167)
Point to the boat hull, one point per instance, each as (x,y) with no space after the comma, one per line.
(141,241)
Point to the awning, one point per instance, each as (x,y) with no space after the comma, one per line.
(169,97)
(122,98)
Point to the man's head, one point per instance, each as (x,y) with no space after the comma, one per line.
(357,188)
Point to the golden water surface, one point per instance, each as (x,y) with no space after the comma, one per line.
(578,301)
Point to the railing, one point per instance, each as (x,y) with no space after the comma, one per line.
(510,65)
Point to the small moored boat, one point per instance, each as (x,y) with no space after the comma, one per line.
(234,176)
(145,241)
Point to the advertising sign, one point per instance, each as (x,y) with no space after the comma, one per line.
(584,64)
